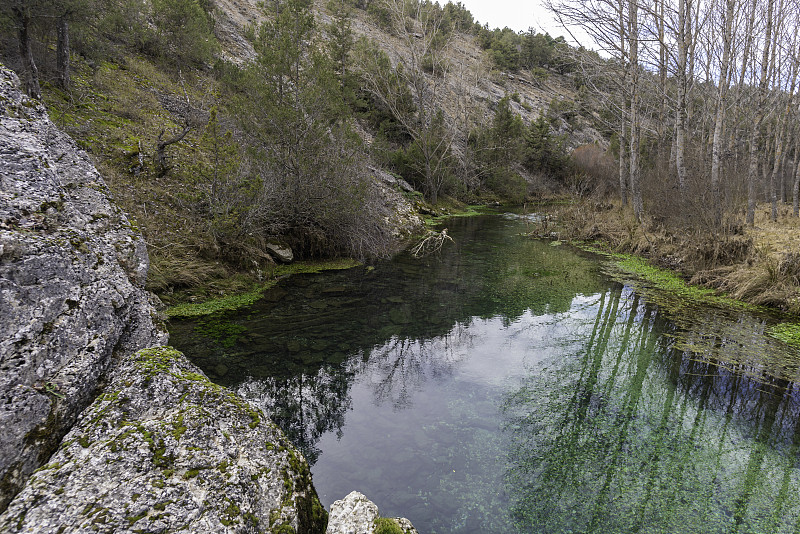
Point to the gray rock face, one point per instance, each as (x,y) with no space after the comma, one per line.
(165,450)
(72,271)
(280,253)
(355,514)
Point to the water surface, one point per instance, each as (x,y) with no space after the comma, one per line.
(509,385)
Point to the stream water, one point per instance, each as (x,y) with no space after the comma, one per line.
(509,385)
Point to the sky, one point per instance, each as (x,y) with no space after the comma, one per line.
(519,15)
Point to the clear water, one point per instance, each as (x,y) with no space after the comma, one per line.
(508,385)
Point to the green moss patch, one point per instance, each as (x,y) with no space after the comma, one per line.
(787,332)
(666,281)
(241,300)
(384,525)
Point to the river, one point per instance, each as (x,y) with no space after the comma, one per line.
(508,384)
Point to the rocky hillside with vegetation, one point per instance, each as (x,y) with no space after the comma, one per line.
(224,127)
(98,434)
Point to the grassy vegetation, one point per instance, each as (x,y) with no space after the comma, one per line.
(240,300)
(116,112)
(757,266)
(665,280)
(384,525)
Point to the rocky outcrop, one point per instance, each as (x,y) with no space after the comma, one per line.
(399,209)
(355,514)
(72,272)
(280,252)
(149,444)
(165,450)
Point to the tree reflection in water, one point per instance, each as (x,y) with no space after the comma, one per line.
(303,406)
(633,434)
(509,375)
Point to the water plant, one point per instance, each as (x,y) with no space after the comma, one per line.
(787,332)
(240,300)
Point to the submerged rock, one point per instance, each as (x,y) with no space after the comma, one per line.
(72,271)
(355,514)
(166,450)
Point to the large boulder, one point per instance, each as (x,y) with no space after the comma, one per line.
(72,273)
(165,450)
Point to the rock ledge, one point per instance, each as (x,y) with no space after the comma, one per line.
(164,450)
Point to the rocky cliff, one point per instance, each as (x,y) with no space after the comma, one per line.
(72,271)
(149,444)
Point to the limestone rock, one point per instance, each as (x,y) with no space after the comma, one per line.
(72,271)
(281,253)
(165,450)
(392,180)
(399,212)
(355,514)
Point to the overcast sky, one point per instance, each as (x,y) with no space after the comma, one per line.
(519,15)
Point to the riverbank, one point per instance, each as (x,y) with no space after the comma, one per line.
(228,293)
(757,266)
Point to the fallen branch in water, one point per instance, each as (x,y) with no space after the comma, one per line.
(432,242)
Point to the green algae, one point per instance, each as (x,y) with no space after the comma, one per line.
(467,211)
(241,300)
(664,280)
(787,332)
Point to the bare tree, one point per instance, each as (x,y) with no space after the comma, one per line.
(723,83)
(683,37)
(614,26)
(755,133)
(633,81)
(413,96)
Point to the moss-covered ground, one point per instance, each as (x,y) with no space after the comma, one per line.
(240,300)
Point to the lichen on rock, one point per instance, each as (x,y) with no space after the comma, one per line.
(166,450)
(72,273)
(356,514)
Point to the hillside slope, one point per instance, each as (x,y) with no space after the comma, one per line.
(169,133)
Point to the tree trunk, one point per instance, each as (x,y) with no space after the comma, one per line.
(624,161)
(684,17)
(752,175)
(663,66)
(624,164)
(26,54)
(719,118)
(796,184)
(161,157)
(62,53)
(782,178)
(633,39)
(783,128)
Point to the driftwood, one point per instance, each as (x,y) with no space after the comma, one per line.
(432,242)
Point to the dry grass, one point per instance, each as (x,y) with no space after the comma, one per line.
(759,265)
(116,111)
(776,238)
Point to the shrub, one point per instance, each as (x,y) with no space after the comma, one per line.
(509,185)
(598,167)
(184,31)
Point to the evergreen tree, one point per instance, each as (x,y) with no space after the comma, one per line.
(506,133)
(314,183)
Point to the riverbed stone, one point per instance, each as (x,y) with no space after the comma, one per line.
(165,450)
(72,274)
(356,514)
